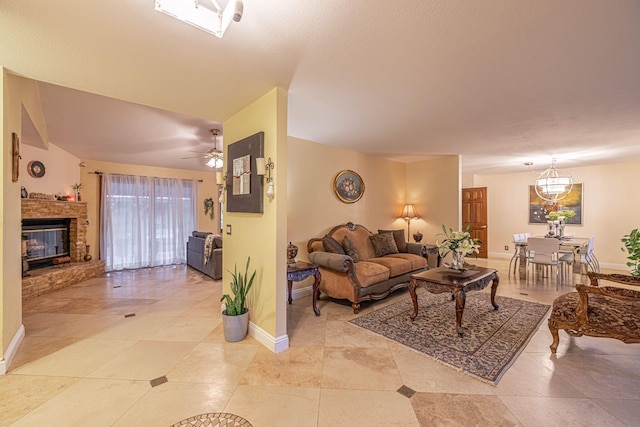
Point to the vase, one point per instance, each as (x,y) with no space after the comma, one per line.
(292,251)
(87,255)
(417,236)
(458,261)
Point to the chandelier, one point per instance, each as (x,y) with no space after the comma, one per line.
(553,185)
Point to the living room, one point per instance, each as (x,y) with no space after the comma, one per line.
(515,97)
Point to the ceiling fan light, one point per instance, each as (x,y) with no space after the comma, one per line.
(212,163)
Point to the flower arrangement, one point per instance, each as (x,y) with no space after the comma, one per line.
(568,214)
(349,187)
(458,242)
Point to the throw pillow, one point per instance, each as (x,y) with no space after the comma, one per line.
(331,245)
(383,244)
(398,235)
(350,248)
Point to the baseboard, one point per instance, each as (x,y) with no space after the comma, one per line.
(275,344)
(500,255)
(607,265)
(301,292)
(5,363)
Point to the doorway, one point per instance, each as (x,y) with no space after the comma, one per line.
(474,215)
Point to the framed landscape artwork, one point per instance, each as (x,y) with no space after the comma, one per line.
(539,208)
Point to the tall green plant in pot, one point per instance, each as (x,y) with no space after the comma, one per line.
(632,243)
(235,316)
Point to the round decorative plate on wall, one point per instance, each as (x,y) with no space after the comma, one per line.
(36,169)
(348,186)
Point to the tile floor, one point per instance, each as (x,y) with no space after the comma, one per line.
(85,362)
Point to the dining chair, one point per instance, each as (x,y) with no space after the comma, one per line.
(543,255)
(519,240)
(588,260)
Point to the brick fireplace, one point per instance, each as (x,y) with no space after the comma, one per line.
(46,279)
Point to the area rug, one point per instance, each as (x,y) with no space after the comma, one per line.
(492,339)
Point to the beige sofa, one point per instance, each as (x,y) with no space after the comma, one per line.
(358,265)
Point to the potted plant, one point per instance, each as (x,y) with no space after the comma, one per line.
(235,316)
(632,243)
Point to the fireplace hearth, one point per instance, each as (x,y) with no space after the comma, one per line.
(52,243)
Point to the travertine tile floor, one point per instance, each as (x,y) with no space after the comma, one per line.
(84,363)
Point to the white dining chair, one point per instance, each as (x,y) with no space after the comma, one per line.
(519,240)
(543,256)
(588,260)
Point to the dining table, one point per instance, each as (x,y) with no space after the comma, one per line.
(573,244)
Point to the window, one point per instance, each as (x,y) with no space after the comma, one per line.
(145,221)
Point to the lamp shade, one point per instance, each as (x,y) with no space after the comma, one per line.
(409,212)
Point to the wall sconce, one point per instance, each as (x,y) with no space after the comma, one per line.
(263,168)
(409,212)
(221,180)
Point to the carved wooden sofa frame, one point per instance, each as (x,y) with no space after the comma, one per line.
(599,311)
(342,277)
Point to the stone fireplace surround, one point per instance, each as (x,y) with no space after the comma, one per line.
(47,279)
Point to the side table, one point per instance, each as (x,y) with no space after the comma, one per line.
(300,271)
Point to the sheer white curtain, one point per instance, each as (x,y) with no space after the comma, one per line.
(145,221)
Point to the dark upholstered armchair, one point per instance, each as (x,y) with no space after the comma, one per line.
(197,258)
(599,311)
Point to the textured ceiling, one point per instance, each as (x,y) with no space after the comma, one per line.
(500,82)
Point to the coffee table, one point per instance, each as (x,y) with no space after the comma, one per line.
(443,279)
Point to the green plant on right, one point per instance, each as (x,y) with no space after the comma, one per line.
(632,243)
(240,286)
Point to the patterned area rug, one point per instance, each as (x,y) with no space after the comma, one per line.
(215,419)
(492,339)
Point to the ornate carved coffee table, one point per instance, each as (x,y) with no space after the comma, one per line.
(442,279)
(300,271)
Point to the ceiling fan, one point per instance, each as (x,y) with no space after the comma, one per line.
(214,155)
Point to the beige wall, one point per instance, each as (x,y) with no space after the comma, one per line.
(435,188)
(91,193)
(610,209)
(313,207)
(61,170)
(16,94)
(262,237)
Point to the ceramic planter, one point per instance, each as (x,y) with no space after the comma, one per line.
(235,327)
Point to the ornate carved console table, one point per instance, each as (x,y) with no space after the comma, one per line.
(300,271)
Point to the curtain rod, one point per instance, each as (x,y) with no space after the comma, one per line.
(124,174)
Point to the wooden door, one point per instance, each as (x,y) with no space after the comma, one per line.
(474,213)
